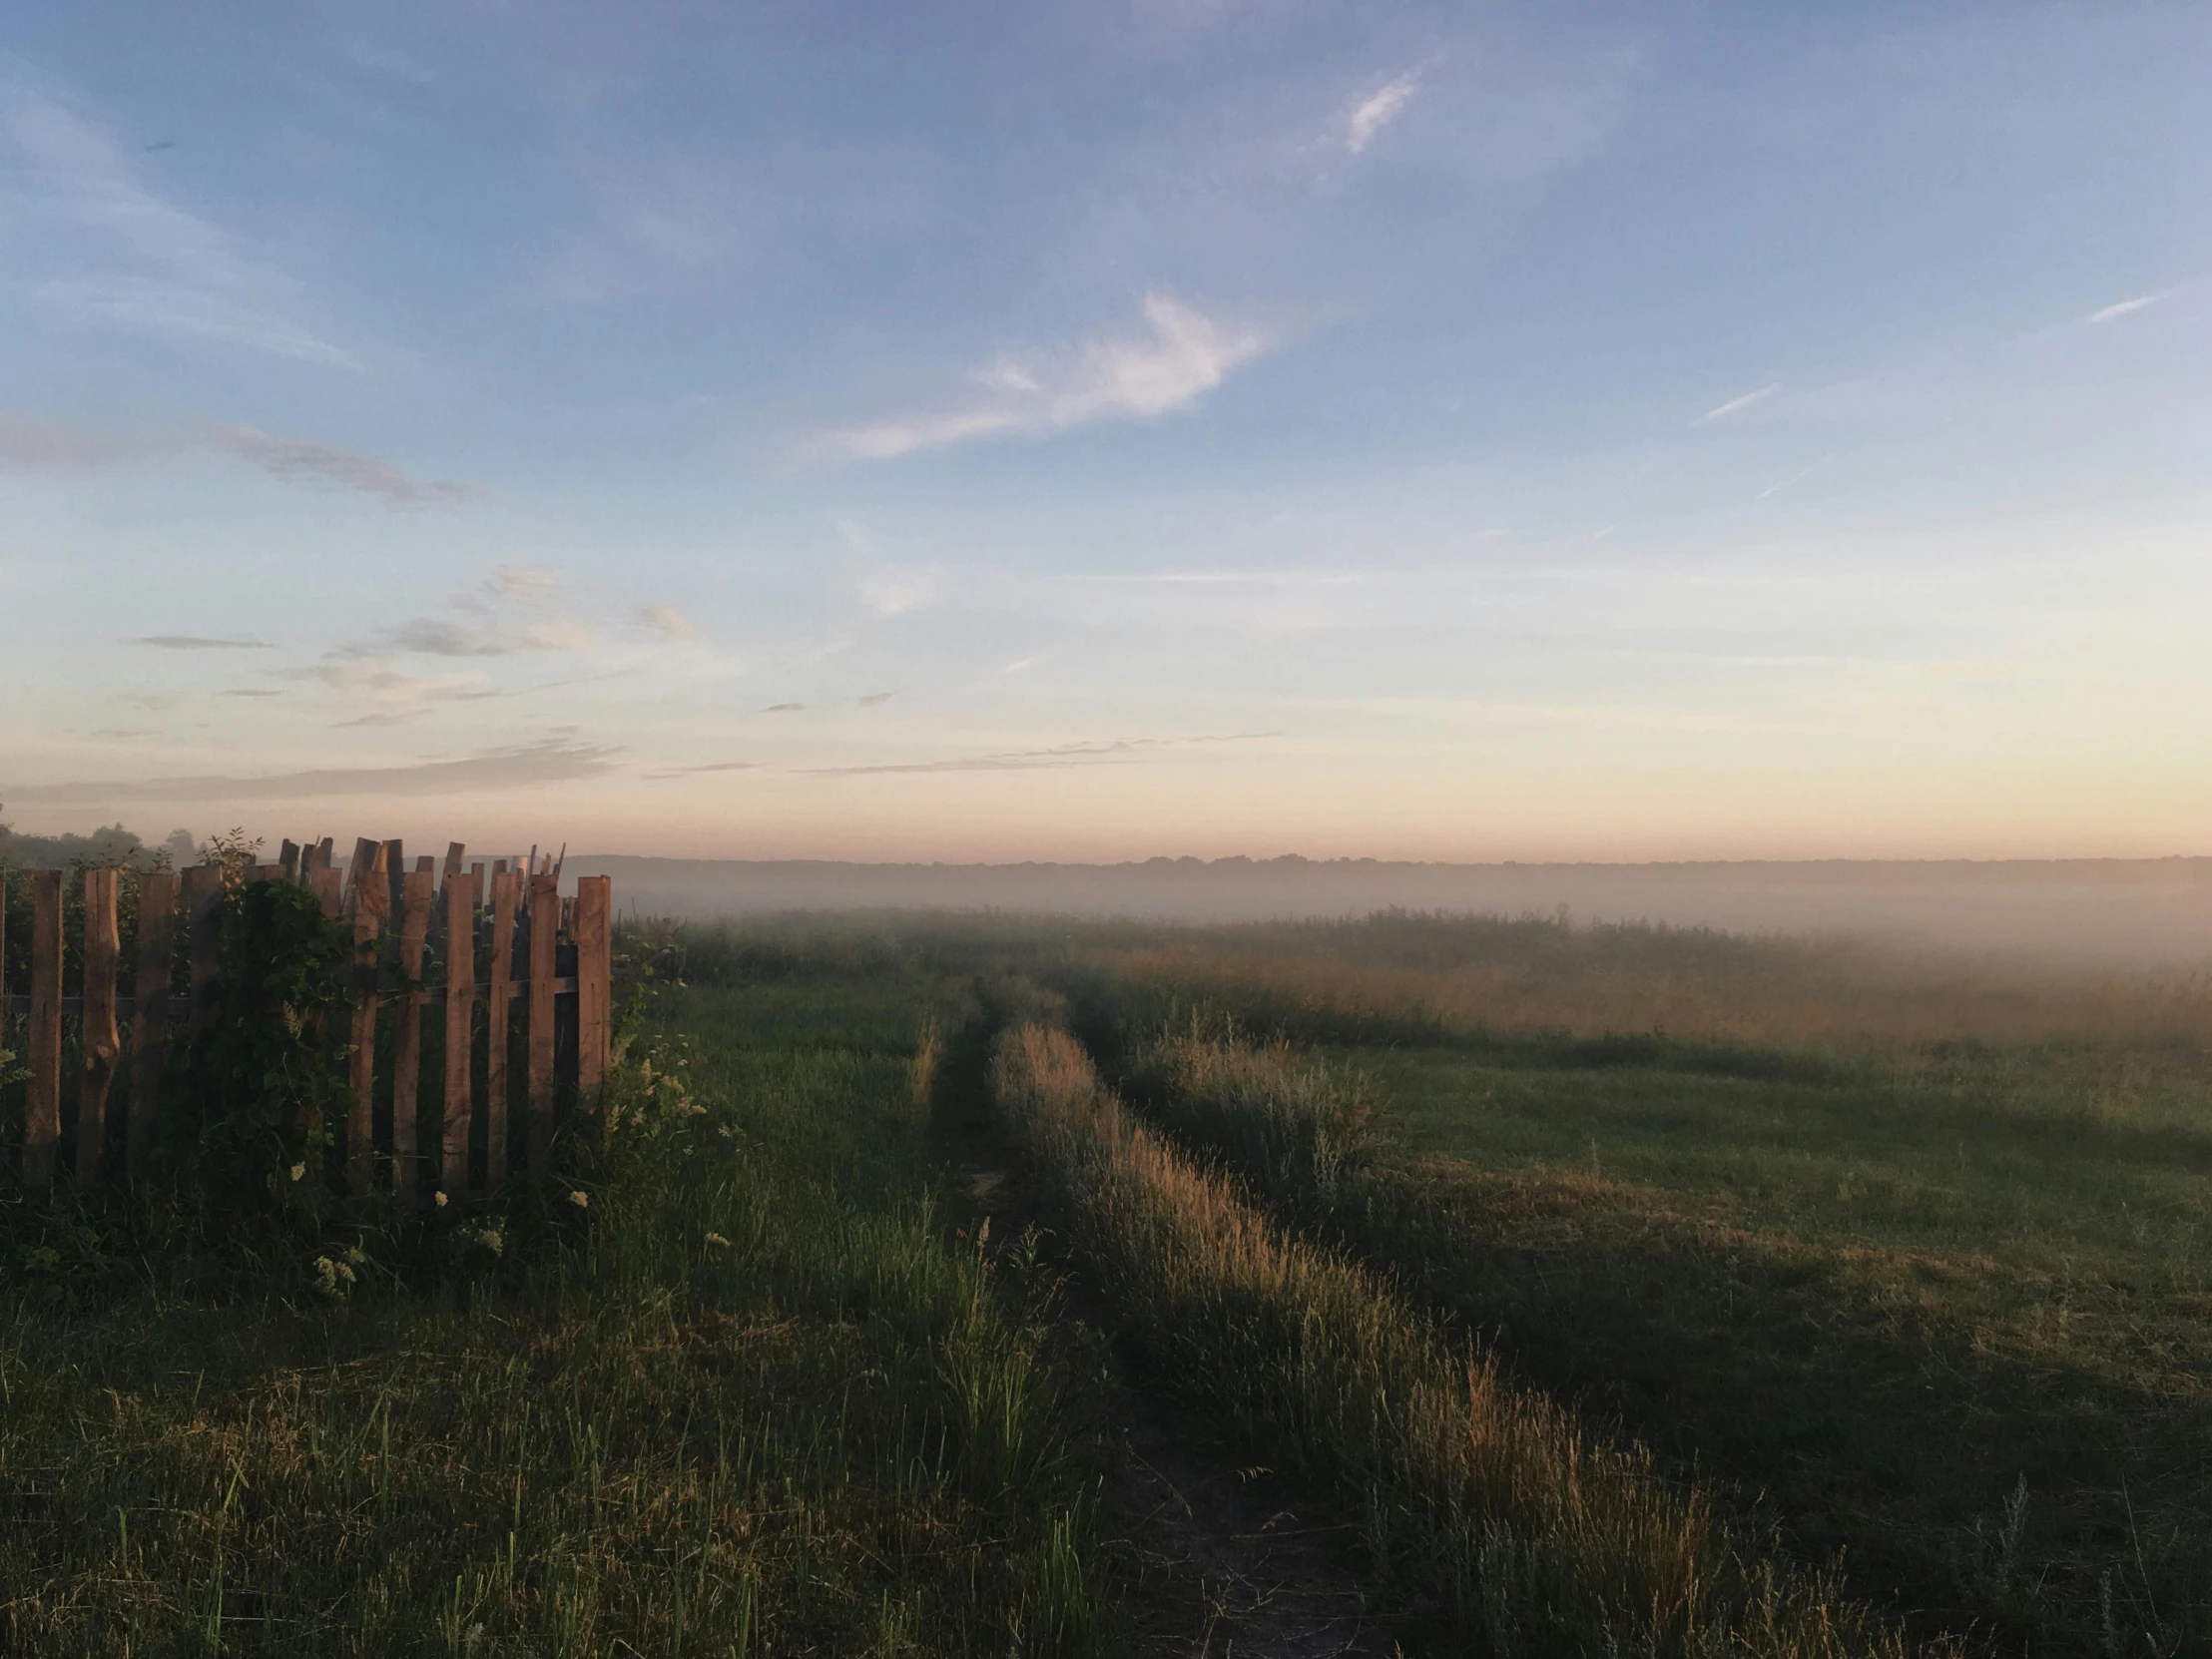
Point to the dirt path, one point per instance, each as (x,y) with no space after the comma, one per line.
(1228,1561)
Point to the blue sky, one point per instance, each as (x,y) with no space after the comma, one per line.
(1099,430)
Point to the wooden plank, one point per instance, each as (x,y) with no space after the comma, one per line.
(460,1009)
(287,859)
(42,1096)
(356,872)
(545,910)
(498,1011)
(101,1044)
(326,885)
(406,1050)
(369,898)
(455,851)
(157,922)
(475,881)
(325,855)
(594,986)
(395,868)
(203,918)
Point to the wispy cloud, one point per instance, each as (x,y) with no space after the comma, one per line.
(439,637)
(783,708)
(670,623)
(33,444)
(200,642)
(303,462)
(1735,406)
(1120,752)
(711,765)
(556,761)
(1184,355)
(102,250)
(2129,307)
(874,697)
(1378,111)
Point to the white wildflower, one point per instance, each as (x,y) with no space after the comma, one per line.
(438,1198)
(717,1240)
(298,1170)
(582,1201)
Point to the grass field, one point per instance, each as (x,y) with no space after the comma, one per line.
(1932,1296)
(755,1398)
(1580,1334)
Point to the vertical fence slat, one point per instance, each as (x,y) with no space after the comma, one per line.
(102,1045)
(288,859)
(204,934)
(370,895)
(327,885)
(460,1009)
(594,986)
(157,921)
(545,916)
(407,1049)
(395,871)
(497,1013)
(42,1100)
(357,872)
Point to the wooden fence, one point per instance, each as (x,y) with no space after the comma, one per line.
(505,919)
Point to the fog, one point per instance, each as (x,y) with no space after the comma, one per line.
(2093,912)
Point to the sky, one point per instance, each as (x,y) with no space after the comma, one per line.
(1110,429)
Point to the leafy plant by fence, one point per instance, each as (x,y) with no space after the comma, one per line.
(276,1018)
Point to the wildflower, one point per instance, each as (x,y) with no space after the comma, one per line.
(582,1201)
(298,1170)
(718,1241)
(493,1240)
(438,1198)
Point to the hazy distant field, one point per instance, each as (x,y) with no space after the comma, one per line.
(2106,912)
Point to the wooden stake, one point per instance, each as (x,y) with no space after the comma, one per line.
(204,917)
(356,872)
(594,987)
(326,885)
(102,1045)
(460,1008)
(42,1097)
(156,920)
(369,896)
(497,1012)
(287,859)
(406,1049)
(545,910)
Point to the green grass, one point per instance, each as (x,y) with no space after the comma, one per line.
(1941,1306)
(759,1401)
(1493,1510)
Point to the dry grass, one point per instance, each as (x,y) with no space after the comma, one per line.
(1537,1538)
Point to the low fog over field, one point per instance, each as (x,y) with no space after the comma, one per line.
(2102,912)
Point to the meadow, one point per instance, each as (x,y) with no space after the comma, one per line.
(1577,1291)
(1910,1259)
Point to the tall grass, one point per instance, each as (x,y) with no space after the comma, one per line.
(1971,1432)
(1534,1537)
(756,1398)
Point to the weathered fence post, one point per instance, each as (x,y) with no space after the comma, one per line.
(460,1007)
(101,1044)
(545,911)
(42,1100)
(204,921)
(371,894)
(157,919)
(498,1010)
(594,986)
(406,1046)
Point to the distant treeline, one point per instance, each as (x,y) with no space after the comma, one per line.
(112,845)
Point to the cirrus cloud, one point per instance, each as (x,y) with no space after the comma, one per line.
(1183,355)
